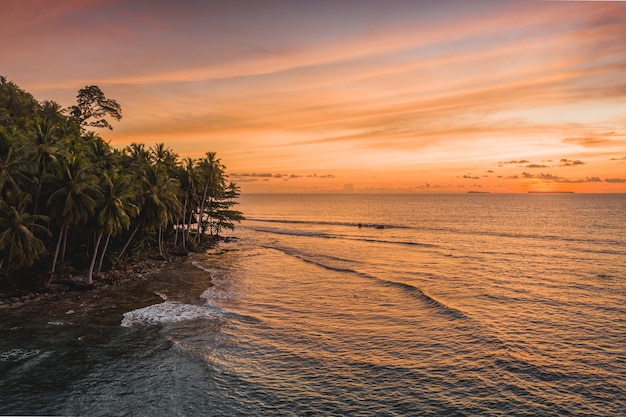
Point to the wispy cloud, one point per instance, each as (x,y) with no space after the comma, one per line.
(279,86)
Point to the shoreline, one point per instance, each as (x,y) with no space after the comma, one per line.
(72,284)
(127,272)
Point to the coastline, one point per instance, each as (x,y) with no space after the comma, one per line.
(125,273)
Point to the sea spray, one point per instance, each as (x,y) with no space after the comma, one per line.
(167,312)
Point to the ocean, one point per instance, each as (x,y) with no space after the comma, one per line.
(350,305)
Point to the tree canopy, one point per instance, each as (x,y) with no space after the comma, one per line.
(65,190)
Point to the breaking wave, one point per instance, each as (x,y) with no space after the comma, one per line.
(168,312)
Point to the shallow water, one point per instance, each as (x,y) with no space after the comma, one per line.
(459,305)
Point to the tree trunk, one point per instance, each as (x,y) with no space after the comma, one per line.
(160,239)
(56,252)
(128,242)
(206,189)
(189,224)
(67,228)
(104,251)
(181,224)
(89,280)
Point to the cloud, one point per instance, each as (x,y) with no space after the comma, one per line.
(536,166)
(605,139)
(549,177)
(514,162)
(250,177)
(469,177)
(254,174)
(556,178)
(568,162)
(615,180)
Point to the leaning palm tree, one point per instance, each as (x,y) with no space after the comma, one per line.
(114,215)
(73,200)
(160,204)
(19,243)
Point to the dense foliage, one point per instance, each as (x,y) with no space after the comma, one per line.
(64,190)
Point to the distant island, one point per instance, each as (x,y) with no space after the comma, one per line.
(478,192)
(551,192)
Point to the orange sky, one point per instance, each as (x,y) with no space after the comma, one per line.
(348,95)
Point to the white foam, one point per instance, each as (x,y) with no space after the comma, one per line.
(211,271)
(167,312)
(15,355)
(216,294)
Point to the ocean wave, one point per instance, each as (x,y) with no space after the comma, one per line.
(211,271)
(213,293)
(426,298)
(589,239)
(345,237)
(296,233)
(167,312)
(329,223)
(408,288)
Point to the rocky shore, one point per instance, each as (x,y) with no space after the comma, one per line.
(69,283)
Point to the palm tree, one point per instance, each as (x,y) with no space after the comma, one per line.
(115,214)
(189,180)
(212,172)
(99,152)
(18,229)
(44,153)
(161,204)
(137,157)
(13,172)
(74,198)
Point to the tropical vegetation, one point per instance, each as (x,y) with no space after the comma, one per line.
(68,199)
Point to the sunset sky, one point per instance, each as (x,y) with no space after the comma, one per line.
(357,95)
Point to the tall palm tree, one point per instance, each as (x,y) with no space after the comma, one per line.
(161,204)
(74,198)
(212,172)
(189,180)
(114,215)
(19,244)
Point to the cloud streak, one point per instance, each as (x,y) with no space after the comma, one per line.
(371,91)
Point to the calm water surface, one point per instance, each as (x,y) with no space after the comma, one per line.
(350,305)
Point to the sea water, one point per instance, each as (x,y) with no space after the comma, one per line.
(350,305)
